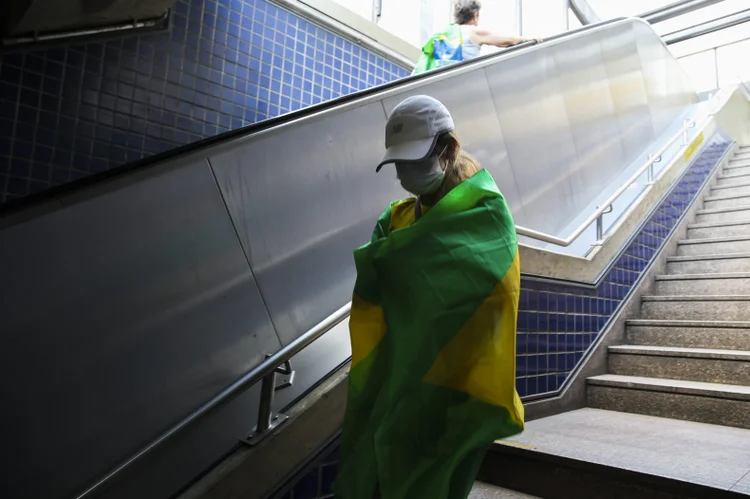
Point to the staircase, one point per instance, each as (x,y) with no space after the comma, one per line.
(688,356)
(671,418)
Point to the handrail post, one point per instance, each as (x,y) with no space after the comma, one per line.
(267,392)
(267,420)
(599,228)
(685,124)
(650,175)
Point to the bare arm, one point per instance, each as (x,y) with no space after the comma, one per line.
(482,36)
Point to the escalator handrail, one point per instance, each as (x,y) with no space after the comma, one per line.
(35,200)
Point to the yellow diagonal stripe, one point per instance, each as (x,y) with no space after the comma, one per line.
(481,359)
(366,328)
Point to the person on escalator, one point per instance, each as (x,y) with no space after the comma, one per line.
(462,40)
(433,322)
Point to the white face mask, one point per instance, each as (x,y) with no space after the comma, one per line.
(423,177)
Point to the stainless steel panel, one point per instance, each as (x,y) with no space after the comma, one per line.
(302,198)
(537,133)
(623,67)
(590,110)
(469,99)
(120,314)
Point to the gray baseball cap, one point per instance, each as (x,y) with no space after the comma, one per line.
(413,128)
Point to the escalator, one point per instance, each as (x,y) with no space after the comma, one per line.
(140,293)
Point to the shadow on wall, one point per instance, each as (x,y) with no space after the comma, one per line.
(70,111)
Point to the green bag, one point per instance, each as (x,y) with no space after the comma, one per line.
(442,49)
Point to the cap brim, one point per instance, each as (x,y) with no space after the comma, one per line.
(414,150)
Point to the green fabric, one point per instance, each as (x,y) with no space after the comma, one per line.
(412,439)
(426,61)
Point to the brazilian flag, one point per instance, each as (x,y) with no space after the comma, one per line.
(433,332)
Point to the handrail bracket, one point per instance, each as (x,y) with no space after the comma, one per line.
(267,420)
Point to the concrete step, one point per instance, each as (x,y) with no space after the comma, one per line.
(723,214)
(713,246)
(712,403)
(707,264)
(731,367)
(709,307)
(735,283)
(689,334)
(737,168)
(731,178)
(719,229)
(487,491)
(731,189)
(596,454)
(714,202)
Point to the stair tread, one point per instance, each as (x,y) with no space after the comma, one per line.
(734,175)
(696,298)
(697,277)
(727,197)
(741,183)
(487,491)
(713,225)
(709,240)
(711,211)
(672,385)
(696,353)
(688,323)
(693,258)
(686,451)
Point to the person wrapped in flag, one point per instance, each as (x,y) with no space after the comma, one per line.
(433,322)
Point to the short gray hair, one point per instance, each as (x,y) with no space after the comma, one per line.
(465,10)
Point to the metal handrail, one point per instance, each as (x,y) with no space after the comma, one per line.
(264,371)
(676,9)
(606,206)
(718,24)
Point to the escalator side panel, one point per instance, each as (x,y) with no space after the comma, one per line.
(531,110)
(120,314)
(302,198)
(628,87)
(667,86)
(590,110)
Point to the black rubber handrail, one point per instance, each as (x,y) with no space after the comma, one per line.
(34,200)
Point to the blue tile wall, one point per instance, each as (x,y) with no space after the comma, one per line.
(70,111)
(557,323)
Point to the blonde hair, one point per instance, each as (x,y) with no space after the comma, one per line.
(457,163)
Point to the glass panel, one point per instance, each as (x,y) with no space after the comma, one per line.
(701,69)
(733,63)
(544,17)
(415,20)
(436,15)
(399,18)
(500,16)
(361,7)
